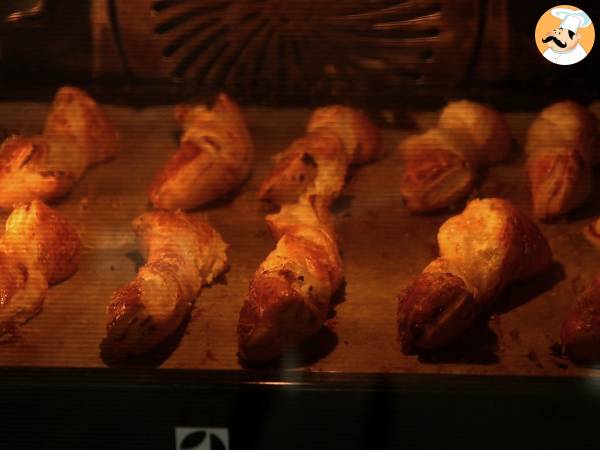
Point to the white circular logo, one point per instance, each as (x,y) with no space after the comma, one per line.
(564,35)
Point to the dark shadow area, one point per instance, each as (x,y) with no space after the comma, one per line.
(342,204)
(478,345)
(337,298)
(136,258)
(176,136)
(520,293)
(394,118)
(448,211)
(153,358)
(516,153)
(563,361)
(557,356)
(481,175)
(268,207)
(219,279)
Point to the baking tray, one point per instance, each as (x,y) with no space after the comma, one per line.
(383,247)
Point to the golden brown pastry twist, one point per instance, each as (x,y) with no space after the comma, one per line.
(39,248)
(592,233)
(291,292)
(76,135)
(337,137)
(490,245)
(580,332)
(183,254)
(561,152)
(440,165)
(214,157)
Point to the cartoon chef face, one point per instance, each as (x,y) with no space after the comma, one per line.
(561,39)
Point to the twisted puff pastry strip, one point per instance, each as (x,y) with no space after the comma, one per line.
(337,137)
(290,293)
(490,245)
(580,332)
(183,254)
(77,135)
(214,157)
(561,152)
(38,249)
(592,233)
(440,165)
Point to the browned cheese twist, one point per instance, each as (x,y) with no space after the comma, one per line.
(337,137)
(561,152)
(592,233)
(214,157)
(183,254)
(77,135)
(290,294)
(39,248)
(440,164)
(490,245)
(580,332)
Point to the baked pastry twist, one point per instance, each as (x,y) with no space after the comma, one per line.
(38,249)
(440,165)
(580,332)
(183,254)
(337,137)
(490,245)
(561,152)
(214,157)
(290,293)
(592,233)
(77,135)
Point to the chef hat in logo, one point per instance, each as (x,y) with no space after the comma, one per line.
(572,19)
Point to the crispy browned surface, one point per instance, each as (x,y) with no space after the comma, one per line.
(580,332)
(38,248)
(441,163)
(38,231)
(76,115)
(562,150)
(384,248)
(299,166)
(290,294)
(436,173)
(77,135)
(487,247)
(214,157)
(301,275)
(486,128)
(591,232)
(336,138)
(360,137)
(434,309)
(183,254)
(273,317)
